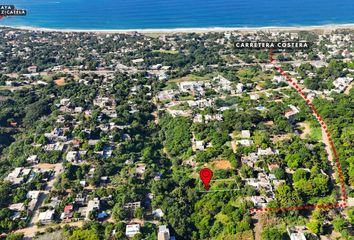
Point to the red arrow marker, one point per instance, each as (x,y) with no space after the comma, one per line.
(206,174)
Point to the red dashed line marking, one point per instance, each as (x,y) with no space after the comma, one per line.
(324,126)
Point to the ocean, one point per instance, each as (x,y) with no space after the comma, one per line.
(167,14)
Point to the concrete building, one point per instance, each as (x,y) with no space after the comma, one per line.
(18,175)
(199,145)
(259,201)
(296,233)
(245,134)
(93,205)
(132,205)
(33,159)
(158,213)
(132,230)
(164,233)
(244,142)
(46,217)
(32,69)
(72,156)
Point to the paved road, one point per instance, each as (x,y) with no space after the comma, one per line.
(31,228)
(30,232)
(325,136)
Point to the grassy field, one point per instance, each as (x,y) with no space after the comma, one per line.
(250,74)
(246,235)
(155,34)
(316,132)
(47,78)
(186,98)
(192,77)
(12,88)
(165,51)
(219,185)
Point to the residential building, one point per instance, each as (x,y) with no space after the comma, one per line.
(32,69)
(158,213)
(254,96)
(163,233)
(67,214)
(244,142)
(33,159)
(265,152)
(259,201)
(132,230)
(245,134)
(93,205)
(46,217)
(72,156)
(18,207)
(296,233)
(132,205)
(199,145)
(33,195)
(292,112)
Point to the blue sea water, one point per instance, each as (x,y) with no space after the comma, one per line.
(147,14)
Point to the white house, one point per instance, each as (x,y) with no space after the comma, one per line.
(32,69)
(296,233)
(46,217)
(244,142)
(292,112)
(254,96)
(72,156)
(265,152)
(164,233)
(199,145)
(17,207)
(259,201)
(158,213)
(93,205)
(32,159)
(245,134)
(132,230)
(132,205)
(239,88)
(33,195)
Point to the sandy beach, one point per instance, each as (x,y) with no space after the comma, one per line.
(323,28)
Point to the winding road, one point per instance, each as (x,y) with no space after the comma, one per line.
(332,154)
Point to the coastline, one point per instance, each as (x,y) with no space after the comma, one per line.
(327,27)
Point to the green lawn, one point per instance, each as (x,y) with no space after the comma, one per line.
(316,132)
(47,78)
(165,51)
(192,77)
(222,185)
(250,74)
(12,88)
